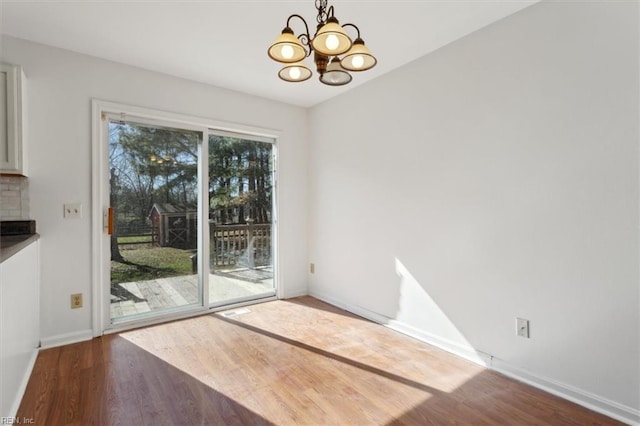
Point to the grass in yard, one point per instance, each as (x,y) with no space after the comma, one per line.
(135,239)
(148,263)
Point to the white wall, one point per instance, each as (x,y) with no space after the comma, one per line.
(496,178)
(61,85)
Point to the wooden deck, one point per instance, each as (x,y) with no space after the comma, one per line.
(164,293)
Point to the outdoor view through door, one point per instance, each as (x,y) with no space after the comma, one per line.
(240,218)
(157,258)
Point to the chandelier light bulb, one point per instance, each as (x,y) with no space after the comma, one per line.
(358,58)
(287,51)
(357,61)
(294,73)
(335,75)
(332,42)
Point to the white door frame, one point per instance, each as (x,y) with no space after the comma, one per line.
(101,111)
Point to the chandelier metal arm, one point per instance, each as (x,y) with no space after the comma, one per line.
(306,27)
(354,26)
(306,41)
(329,13)
(304,38)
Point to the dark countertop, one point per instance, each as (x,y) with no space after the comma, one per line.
(12,244)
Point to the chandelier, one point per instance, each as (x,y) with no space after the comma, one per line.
(328,43)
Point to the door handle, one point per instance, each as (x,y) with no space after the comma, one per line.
(109,220)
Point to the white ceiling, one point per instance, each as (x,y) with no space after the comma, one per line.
(224,43)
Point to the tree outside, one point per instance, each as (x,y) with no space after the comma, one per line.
(157,166)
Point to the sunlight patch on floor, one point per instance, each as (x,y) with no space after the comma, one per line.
(262,377)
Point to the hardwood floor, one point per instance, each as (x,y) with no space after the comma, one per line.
(297,361)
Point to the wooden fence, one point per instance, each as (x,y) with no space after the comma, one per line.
(247,245)
(133,234)
(242,245)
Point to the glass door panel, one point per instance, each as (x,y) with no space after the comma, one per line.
(241,219)
(154,195)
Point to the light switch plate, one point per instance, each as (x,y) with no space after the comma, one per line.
(73,211)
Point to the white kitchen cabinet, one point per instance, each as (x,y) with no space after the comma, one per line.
(19,324)
(12,108)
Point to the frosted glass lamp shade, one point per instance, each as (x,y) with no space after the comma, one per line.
(335,75)
(331,39)
(358,58)
(287,48)
(295,72)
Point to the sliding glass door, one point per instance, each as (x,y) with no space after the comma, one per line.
(189,220)
(153,181)
(241,218)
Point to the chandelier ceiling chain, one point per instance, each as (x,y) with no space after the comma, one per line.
(321,5)
(327,44)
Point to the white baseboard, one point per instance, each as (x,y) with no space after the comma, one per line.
(581,397)
(293,294)
(463,351)
(65,339)
(593,402)
(23,383)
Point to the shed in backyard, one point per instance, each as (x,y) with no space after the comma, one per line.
(174,225)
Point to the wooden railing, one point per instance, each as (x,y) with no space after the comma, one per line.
(246,245)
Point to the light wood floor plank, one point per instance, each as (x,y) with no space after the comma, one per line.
(291,362)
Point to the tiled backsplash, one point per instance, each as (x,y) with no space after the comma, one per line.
(14,197)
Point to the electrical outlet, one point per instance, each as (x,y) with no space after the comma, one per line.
(312,268)
(522,327)
(76,301)
(73,211)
